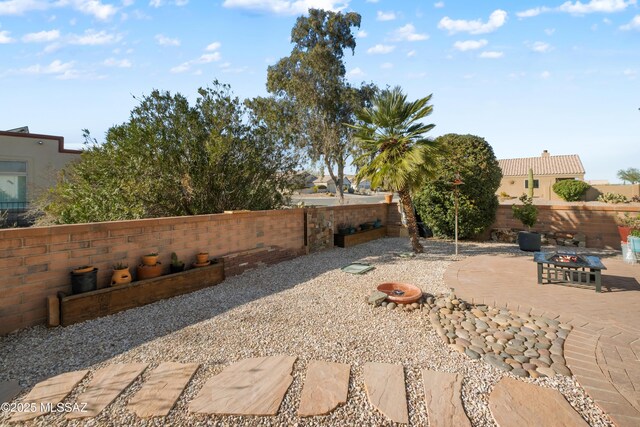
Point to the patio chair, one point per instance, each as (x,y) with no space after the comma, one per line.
(633,244)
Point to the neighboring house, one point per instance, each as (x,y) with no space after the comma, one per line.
(365,184)
(547,170)
(28,164)
(328,182)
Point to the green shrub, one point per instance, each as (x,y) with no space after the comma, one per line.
(473,158)
(570,190)
(527,213)
(635,233)
(315,189)
(614,198)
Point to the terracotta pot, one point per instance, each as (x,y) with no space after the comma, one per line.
(149,260)
(624,232)
(202,257)
(203,264)
(149,271)
(388,198)
(121,277)
(401,293)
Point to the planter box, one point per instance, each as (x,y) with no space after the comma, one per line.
(348,240)
(103,302)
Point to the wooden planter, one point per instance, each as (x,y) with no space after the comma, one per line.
(348,240)
(102,302)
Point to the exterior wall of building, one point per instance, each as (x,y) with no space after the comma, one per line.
(45,155)
(627,190)
(514,186)
(36,262)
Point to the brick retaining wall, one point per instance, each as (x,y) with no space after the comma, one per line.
(598,223)
(35,262)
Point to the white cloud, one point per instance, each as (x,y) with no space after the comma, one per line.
(285,7)
(213,46)
(386,65)
(41,36)
(496,20)
(19,7)
(545,74)
(491,54)
(385,16)
(155,3)
(55,67)
(540,47)
(95,8)
(603,6)
(631,74)
(5,38)
(93,38)
(634,24)
(411,54)
(89,7)
(439,5)
(119,63)
(372,1)
(408,33)
(381,49)
(356,72)
(550,31)
(362,34)
(205,58)
(166,41)
(470,44)
(529,13)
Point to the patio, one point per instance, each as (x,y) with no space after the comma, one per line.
(308,309)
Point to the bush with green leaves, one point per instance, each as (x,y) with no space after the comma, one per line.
(527,213)
(473,159)
(613,198)
(570,190)
(172,158)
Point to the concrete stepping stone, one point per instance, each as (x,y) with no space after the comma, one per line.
(107,384)
(9,390)
(162,389)
(442,392)
(384,383)
(325,387)
(47,394)
(514,403)
(253,386)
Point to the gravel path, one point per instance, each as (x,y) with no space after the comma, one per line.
(305,307)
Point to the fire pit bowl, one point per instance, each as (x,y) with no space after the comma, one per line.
(400,293)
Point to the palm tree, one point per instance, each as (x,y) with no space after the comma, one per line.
(396,156)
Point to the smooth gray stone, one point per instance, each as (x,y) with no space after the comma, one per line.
(561,369)
(377,297)
(472,354)
(558,359)
(497,362)
(481,325)
(520,358)
(546,371)
(531,353)
(519,372)
(477,349)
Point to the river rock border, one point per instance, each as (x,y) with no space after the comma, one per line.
(517,342)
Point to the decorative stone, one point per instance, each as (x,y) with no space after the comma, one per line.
(519,372)
(457,347)
(546,371)
(391,305)
(384,383)
(472,354)
(325,387)
(561,369)
(442,393)
(497,362)
(376,298)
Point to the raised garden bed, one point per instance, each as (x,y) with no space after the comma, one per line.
(102,302)
(348,240)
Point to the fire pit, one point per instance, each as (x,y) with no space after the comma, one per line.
(400,293)
(569,269)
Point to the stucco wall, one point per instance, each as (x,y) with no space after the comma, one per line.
(514,185)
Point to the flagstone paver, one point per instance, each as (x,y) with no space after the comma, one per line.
(162,389)
(603,349)
(384,383)
(48,393)
(106,384)
(515,403)
(325,387)
(253,386)
(442,393)
(9,390)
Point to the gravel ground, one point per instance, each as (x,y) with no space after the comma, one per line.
(305,307)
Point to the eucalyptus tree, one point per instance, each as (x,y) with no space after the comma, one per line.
(312,80)
(395,153)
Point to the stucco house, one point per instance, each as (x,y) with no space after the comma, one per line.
(29,163)
(328,182)
(547,170)
(363,185)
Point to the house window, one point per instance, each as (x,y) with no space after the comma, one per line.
(13,185)
(536,183)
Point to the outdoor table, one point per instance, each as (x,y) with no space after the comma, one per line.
(585,271)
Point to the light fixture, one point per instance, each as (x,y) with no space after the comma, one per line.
(40,142)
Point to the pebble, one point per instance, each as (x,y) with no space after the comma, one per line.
(391,305)
(546,371)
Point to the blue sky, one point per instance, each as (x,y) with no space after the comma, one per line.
(526,75)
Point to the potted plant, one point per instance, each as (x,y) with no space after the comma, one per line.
(121,274)
(176,265)
(343,229)
(146,270)
(150,259)
(84,279)
(626,224)
(388,198)
(527,213)
(202,259)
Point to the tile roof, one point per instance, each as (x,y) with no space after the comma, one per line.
(544,165)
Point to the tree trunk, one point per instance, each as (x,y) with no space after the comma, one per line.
(336,179)
(412,224)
